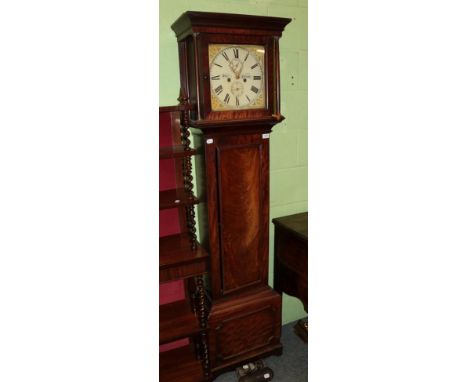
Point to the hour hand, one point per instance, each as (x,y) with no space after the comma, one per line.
(239,71)
(236,67)
(231,66)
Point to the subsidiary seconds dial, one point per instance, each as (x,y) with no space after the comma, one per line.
(237,77)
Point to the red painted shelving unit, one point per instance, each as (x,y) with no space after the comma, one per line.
(183,309)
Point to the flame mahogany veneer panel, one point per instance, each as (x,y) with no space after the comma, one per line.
(240,195)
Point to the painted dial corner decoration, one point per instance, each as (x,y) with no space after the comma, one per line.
(237,77)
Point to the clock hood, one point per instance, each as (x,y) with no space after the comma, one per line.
(198,22)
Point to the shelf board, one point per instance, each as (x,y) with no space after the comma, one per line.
(175,198)
(173,108)
(177,151)
(176,249)
(177,260)
(176,321)
(180,365)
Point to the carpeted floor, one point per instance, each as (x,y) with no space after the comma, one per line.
(290,367)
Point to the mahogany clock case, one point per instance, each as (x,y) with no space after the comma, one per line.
(232,178)
(196,31)
(233,183)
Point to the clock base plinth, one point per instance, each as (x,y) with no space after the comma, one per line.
(244,328)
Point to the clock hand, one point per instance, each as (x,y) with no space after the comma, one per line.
(236,67)
(240,70)
(231,66)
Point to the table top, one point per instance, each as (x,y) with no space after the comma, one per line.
(296,224)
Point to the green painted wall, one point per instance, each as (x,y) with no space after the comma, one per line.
(288,180)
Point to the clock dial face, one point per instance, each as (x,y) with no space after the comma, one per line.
(237,77)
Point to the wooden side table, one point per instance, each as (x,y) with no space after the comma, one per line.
(290,264)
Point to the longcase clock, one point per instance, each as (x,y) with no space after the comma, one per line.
(229,70)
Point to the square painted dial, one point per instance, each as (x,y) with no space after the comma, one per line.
(237,76)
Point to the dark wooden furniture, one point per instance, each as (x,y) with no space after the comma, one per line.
(290,267)
(181,258)
(195,32)
(232,138)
